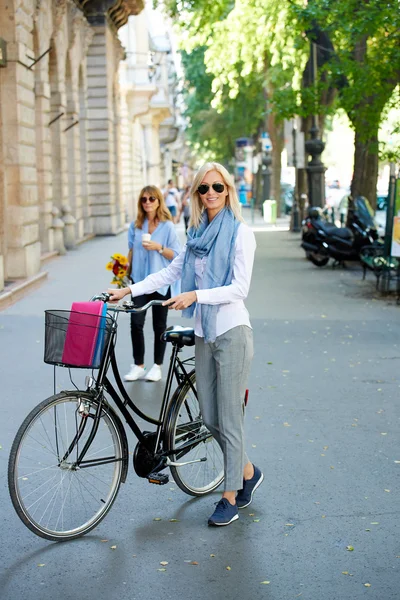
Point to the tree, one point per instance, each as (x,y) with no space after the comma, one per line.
(267,42)
(362,50)
(212,130)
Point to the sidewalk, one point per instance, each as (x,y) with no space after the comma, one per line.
(322,422)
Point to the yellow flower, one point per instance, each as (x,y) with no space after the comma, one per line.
(109,266)
(121,272)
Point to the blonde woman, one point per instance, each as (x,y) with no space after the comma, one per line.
(148,256)
(215,268)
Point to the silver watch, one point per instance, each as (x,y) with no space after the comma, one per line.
(161,250)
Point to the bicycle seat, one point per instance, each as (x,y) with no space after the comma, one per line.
(184,336)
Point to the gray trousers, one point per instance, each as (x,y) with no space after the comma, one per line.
(222,370)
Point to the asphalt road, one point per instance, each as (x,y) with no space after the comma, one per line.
(322,423)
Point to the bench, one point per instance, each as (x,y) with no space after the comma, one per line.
(372,258)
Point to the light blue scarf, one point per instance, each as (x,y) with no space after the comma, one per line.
(216,240)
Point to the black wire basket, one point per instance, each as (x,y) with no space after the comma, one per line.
(76,339)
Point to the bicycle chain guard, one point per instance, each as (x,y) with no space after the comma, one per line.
(144,461)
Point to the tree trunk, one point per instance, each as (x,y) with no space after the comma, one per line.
(276,134)
(365,174)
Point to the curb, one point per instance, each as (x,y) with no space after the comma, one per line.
(19,290)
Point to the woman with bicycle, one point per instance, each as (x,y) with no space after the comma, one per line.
(153,244)
(215,269)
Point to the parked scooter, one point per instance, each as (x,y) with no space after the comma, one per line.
(322,240)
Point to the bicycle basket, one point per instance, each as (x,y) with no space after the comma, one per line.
(76,339)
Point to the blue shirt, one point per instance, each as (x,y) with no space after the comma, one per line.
(146,262)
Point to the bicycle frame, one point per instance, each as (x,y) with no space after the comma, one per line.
(124,403)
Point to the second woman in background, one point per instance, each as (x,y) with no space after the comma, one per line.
(153,244)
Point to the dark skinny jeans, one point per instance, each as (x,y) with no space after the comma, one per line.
(160,314)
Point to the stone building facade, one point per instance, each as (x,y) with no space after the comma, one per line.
(61,111)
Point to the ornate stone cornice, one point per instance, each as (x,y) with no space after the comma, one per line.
(115,11)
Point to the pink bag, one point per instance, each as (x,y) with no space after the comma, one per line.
(82,333)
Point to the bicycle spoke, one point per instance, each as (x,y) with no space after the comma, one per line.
(52,495)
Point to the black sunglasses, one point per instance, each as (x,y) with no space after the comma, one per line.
(204,187)
(151,199)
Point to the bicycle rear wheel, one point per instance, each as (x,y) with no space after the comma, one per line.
(55,498)
(185,425)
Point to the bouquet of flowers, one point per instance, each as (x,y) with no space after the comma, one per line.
(119,265)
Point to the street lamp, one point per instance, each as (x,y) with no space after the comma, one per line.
(315,147)
(295,220)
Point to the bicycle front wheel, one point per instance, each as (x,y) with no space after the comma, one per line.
(193,446)
(55,497)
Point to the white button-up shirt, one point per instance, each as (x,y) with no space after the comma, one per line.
(232,311)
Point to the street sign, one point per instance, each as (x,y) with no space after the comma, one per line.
(3,53)
(395,249)
(266,143)
(296,157)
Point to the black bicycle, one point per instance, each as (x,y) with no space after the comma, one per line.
(70,454)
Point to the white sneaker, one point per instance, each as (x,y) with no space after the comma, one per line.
(135,373)
(154,374)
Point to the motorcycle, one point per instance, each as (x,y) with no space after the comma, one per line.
(322,240)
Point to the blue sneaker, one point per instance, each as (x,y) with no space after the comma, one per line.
(245,495)
(224,513)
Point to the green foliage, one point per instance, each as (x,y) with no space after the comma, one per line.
(212,131)
(240,53)
(364,64)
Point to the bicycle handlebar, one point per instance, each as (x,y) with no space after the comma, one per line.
(127,306)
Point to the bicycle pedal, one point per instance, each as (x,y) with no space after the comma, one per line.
(158,478)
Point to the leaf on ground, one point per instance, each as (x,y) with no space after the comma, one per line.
(256,417)
(286,424)
(397,462)
(323,516)
(256,520)
(331,467)
(157,519)
(228,569)
(252,514)
(325,448)
(269,363)
(345,572)
(311,441)
(212,555)
(367,584)
(104,540)
(322,454)
(349,548)
(193,562)
(163,563)
(382,433)
(41,564)
(289,524)
(387,490)
(265,582)
(285,371)
(174,520)
(253,446)
(367,530)
(113,547)
(161,570)
(375,523)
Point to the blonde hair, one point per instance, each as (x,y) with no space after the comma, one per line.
(232,200)
(162,213)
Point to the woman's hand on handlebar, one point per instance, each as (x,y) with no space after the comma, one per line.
(116,295)
(181,301)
